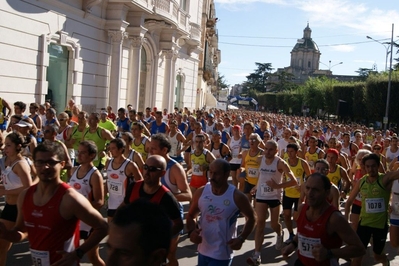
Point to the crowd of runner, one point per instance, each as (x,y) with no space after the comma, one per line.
(301,168)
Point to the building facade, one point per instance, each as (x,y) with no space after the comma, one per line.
(108,52)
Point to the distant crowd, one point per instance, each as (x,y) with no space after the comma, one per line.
(142,165)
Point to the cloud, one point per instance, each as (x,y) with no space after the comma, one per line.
(343,48)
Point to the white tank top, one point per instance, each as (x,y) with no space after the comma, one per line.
(346,150)
(395,200)
(131,155)
(165,180)
(235,146)
(60,136)
(266,173)
(176,145)
(82,185)
(391,155)
(10,179)
(218,222)
(117,183)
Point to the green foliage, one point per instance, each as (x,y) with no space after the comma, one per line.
(259,79)
(366,99)
(221,82)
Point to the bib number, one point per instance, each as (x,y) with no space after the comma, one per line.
(395,208)
(306,244)
(40,258)
(265,189)
(375,205)
(253,172)
(115,188)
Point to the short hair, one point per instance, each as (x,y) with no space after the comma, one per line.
(324,179)
(202,136)
(371,156)
(273,142)
(35,105)
(162,140)
(120,143)
(158,112)
(255,135)
(54,127)
(20,104)
(90,146)
(139,124)
(122,110)
(86,114)
(51,111)
(53,147)
(128,134)
(155,226)
(322,161)
(293,146)
(249,124)
(96,115)
(360,154)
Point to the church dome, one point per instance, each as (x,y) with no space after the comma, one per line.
(306,43)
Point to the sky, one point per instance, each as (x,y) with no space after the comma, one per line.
(265,31)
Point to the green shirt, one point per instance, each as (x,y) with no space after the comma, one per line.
(375,200)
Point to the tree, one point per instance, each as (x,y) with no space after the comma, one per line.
(222,83)
(259,79)
(364,73)
(284,82)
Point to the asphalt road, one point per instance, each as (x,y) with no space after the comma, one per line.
(187,255)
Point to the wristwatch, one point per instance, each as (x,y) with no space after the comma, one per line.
(79,253)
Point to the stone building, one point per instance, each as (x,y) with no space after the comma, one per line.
(100,52)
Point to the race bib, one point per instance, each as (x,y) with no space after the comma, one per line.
(115,187)
(375,205)
(253,172)
(197,169)
(306,244)
(40,258)
(265,189)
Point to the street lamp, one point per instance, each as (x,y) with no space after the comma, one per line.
(386,46)
(331,66)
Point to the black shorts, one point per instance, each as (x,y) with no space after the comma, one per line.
(100,166)
(111,213)
(234,166)
(288,202)
(379,237)
(9,213)
(356,209)
(248,187)
(271,203)
(188,149)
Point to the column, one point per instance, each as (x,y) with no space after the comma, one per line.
(133,89)
(166,95)
(117,37)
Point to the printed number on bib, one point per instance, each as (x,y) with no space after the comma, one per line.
(115,188)
(265,189)
(253,172)
(306,244)
(375,205)
(40,258)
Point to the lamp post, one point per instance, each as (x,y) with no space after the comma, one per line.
(331,66)
(389,83)
(386,46)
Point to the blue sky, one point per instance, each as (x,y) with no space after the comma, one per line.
(265,31)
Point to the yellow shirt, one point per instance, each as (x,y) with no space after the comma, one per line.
(252,165)
(335,176)
(141,148)
(311,158)
(299,173)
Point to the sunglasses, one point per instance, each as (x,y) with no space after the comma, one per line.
(377,148)
(50,163)
(151,168)
(253,140)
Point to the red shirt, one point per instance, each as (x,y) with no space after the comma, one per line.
(48,231)
(312,233)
